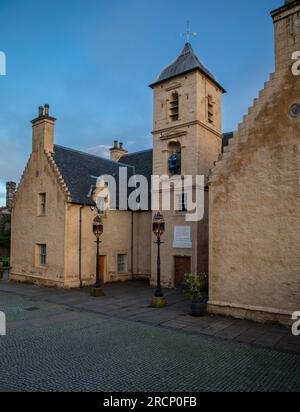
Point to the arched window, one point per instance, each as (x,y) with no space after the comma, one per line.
(174,107)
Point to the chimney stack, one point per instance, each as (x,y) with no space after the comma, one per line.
(117,151)
(10,193)
(43,131)
(47,107)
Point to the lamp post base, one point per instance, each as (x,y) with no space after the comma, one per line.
(97,292)
(159,302)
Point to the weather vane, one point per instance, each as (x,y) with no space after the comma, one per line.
(188,33)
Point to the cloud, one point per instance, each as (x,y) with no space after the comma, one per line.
(101,150)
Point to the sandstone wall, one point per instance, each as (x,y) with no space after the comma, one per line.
(200,144)
(254,205)
(116,239)
(30,229)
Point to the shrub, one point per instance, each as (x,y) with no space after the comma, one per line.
(194,285)
(6,261)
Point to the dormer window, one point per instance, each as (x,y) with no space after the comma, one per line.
(174,107)
(210,109)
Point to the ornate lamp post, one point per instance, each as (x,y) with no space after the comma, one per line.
(98,230)
(158,227)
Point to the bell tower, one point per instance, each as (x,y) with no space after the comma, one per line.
(187,140)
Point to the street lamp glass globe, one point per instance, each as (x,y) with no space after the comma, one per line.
(97,226)
(158,224)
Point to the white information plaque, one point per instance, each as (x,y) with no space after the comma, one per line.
(182,237)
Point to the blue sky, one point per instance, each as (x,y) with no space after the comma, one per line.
(92,61)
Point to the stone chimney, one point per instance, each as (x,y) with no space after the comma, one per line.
(287,33)
(43,131)
(117,151)
(10,193)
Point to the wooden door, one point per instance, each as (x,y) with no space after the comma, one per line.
(102,266)
(182,266)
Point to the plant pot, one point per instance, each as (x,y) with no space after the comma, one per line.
(196,309)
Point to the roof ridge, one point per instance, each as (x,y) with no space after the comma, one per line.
(90,155)
(139,152)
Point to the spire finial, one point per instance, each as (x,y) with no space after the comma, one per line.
(188,33)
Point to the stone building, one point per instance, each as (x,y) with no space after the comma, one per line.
(187,120)
(248,237)
(52,238)
(5,220)
(10,193)
(254,194)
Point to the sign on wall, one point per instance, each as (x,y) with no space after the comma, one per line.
(182,237)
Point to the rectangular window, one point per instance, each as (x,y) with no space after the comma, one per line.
(42,255)
(181,203)
(210,109)
(121,261)
(174,107)
(42,204)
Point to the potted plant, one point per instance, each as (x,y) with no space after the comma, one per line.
(194,285)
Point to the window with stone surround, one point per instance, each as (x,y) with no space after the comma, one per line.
(210,109)
(174,107)
(41,255)
(122,263)
(42,204)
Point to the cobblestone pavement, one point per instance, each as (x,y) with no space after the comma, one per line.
(55,346)
(131,301)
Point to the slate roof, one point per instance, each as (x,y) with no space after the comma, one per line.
(143,165)
(81,170)
(141,161)
(186,62)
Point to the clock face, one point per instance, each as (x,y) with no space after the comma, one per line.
(295,110)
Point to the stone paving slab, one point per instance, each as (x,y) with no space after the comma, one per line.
(131,300)
(85,351)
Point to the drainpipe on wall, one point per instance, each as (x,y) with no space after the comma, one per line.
(80,246)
